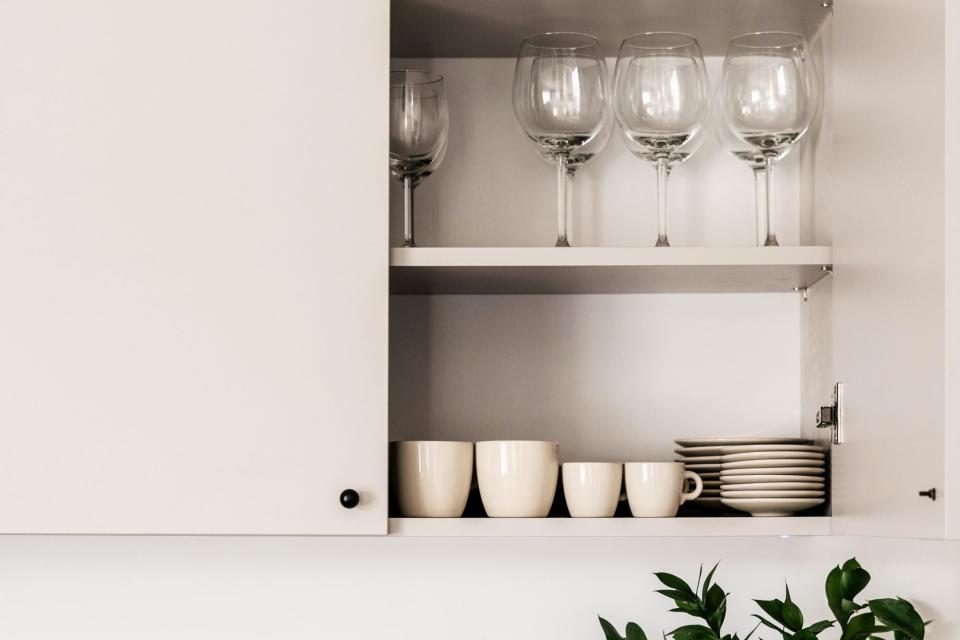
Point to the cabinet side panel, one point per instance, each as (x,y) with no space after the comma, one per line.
(888,217)
(193,266)
(952,288)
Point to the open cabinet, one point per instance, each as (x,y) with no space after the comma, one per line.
(614,348)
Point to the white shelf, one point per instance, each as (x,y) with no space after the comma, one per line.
(549,270)
(495,28)
(608,527)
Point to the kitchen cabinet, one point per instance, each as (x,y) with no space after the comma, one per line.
(202,314)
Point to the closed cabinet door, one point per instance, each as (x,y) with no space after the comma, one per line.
(193,267)
(887,203)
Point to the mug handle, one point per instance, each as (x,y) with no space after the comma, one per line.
(697,489)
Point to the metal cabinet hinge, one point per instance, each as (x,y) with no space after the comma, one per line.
(832,416)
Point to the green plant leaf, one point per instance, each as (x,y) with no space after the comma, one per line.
(679,596)
(898,615)
(609,631)
(672,581)
(634,632)
(715,606)
(773,608)
(803,634)
(834,591)
(706,583)
(860,627)
(693,632)
(854,581)
(690,609)
(792,616)
(818,627)
(851,564)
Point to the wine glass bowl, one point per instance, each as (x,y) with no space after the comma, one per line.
(766,92)
(561,97)
(661,103)
(419,124)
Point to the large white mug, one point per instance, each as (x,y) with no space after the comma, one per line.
(592,489)
(656,489)
(517,478)
(432,477)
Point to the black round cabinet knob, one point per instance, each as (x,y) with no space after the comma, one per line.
(349,498)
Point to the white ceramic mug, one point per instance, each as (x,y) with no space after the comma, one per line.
(517,478)
(432,477)
(592,489)
(656,489)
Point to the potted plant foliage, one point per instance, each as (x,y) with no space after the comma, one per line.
(873,619)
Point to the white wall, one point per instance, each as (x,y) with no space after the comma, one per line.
(144,588)
(610,377)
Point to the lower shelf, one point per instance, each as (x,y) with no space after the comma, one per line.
(607,527)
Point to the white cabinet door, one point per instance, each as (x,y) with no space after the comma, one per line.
(193,266)
(887,203)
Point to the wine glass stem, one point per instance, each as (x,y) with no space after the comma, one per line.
(663,171)
(771,240)
(562,202)
(408,212)
(760,196)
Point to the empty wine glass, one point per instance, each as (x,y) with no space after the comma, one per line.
(661,102)
(560,96)
(769,96)
(418,133)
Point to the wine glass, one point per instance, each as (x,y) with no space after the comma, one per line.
(418,133)
(560,97)
(661,102)
(769,95)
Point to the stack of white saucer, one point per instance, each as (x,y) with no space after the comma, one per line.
(762,476)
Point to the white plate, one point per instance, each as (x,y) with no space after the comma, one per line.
(703,467)
(771,506)
(783,493)
(768,477)
(722,450)
(760,471)
(716,442)
(771,462)
(771,486)
(762,455)
(702,459)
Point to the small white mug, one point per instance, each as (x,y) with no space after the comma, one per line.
(432,477)
(517,478)
(656,489)
(592,489)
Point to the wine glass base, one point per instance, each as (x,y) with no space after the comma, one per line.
(409,243)
(662,242)
(771,241)
(562,242)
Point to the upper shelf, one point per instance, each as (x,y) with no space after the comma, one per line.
(495,28)
(550,270)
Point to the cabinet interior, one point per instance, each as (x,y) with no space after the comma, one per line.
(608,376)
